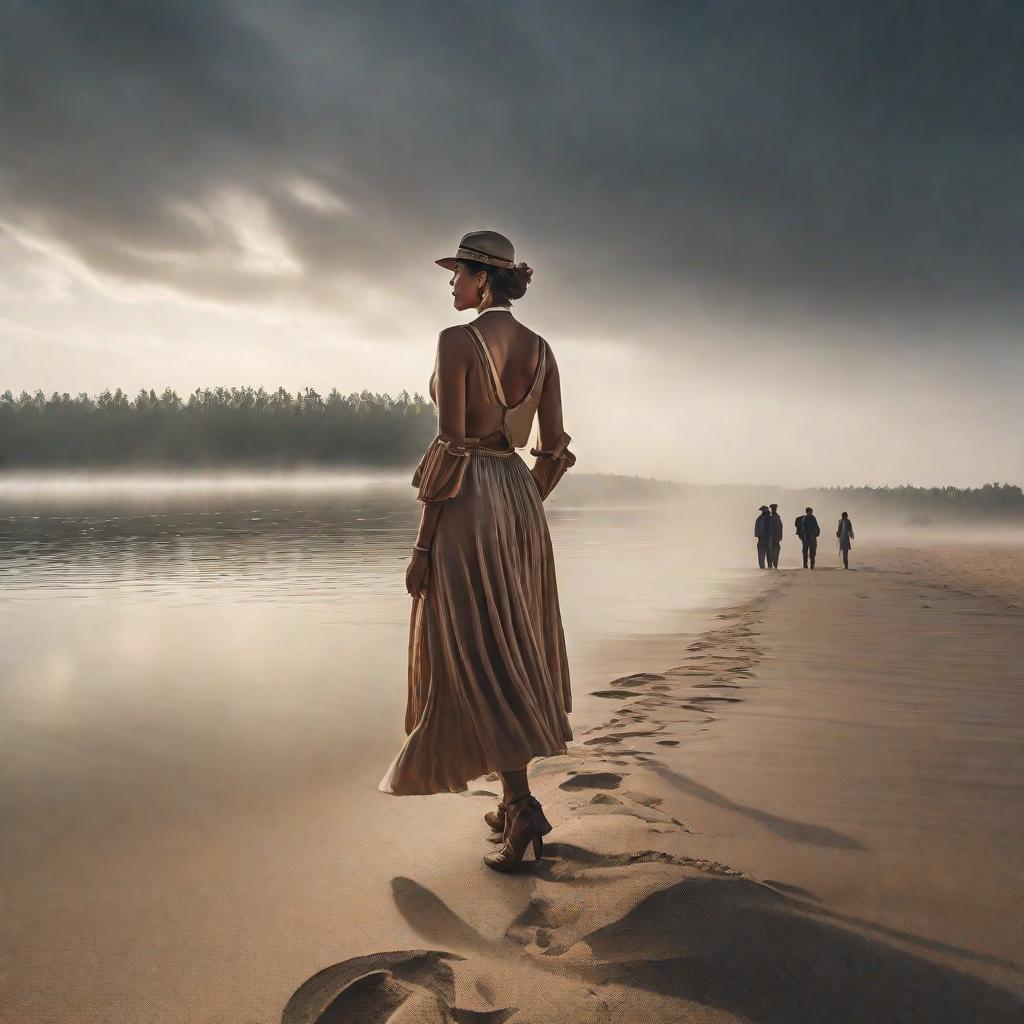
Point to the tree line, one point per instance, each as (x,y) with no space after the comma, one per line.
(213,426)
(962,503)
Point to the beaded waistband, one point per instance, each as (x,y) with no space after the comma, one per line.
(481,445)
(481,450)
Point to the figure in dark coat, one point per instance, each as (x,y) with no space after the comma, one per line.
(809,532)
(761,533)
(845,534)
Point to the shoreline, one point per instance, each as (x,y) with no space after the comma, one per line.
(658,898)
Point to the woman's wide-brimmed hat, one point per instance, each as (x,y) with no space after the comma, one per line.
(483,247)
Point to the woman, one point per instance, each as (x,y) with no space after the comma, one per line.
(488,673)
(845,534)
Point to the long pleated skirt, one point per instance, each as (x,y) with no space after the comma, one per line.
(488,673)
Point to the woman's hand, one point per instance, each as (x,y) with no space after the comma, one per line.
(416,572)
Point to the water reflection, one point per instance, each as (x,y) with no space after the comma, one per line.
(259,553)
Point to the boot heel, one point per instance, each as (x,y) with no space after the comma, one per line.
(540,824)
(525,827)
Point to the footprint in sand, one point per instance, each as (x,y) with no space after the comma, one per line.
(617,694)
(618,737)
(648,799)
(667,743)
(579,856)
(638,679)
(388,988)
(592,780)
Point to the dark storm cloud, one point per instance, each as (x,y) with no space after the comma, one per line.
(845,159)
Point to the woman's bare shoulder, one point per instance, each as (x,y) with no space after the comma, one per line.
(454,345)
(452,335)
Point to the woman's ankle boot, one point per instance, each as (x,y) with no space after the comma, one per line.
(526,826)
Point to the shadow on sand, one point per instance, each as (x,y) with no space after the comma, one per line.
(726,943)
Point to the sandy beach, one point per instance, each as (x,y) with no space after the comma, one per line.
(816,815)
(814,812)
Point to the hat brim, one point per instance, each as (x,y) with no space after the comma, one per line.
(493,261)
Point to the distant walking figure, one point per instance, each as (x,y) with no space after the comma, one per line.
(774,537)
(488,672)
(761,533)
(809,532)
(845,534)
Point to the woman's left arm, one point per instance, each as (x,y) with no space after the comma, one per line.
(450,386)
(451,413)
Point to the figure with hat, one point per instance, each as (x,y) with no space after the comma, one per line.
(761,535)
(488,673)
(774,537)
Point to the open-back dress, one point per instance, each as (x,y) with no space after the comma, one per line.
(488,673)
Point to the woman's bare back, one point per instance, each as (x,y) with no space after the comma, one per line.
(515,351)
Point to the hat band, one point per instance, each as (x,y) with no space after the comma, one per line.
(465,252)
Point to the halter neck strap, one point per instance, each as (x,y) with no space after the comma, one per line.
(499,391)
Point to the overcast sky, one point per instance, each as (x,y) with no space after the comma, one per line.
(773,242)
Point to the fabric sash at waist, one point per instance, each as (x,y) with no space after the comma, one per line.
(483,445)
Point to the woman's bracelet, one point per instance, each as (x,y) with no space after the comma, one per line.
(416,547)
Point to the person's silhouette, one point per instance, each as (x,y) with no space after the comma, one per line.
(809,531)
(761,533)
(845,534)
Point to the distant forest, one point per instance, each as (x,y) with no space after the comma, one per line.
(923,505)
(909,505)
(213,427)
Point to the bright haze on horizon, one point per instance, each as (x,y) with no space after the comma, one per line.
(771,243)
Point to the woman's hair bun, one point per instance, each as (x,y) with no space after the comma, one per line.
(523,274)
(508,283)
